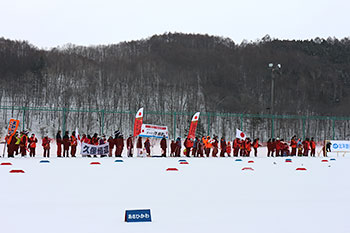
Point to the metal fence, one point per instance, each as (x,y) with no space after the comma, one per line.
(325,127)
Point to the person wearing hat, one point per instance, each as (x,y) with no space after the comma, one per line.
(32,145)
(119,142)
(23,143)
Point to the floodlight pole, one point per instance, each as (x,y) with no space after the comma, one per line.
(273,68)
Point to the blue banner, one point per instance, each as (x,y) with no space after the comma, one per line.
(138,215)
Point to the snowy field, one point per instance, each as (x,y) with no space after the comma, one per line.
(68,195)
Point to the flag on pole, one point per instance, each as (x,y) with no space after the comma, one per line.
(77,135)
(240,134)
(138,122)
(193,126)
(13,125)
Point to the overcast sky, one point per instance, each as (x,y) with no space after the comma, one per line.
(48,23)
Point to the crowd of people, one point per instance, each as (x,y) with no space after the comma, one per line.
(207,146)
(197,147)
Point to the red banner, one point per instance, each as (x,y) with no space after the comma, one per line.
(138,122)
(193,126)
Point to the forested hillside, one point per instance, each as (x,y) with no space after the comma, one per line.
(177,72)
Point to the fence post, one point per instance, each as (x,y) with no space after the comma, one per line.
(24,113)
(272,126)
(208,131)
(303,128)
(102,121)
(241,118)
(174,133)
(64,121)
(333,127)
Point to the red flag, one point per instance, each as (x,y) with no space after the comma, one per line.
(193,126)
(138,122)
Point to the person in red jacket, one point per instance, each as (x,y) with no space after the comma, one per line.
(223,147)
(163,146)
(313,147)
(130,145)
(228,149)
(59,143)
(293,145)
(139,147)
(255,146)
(46,146)
(66,144)
(236,146)
(188,145)
(269,147)
(200,149)
(111,145)
(147,145)
(215,144)
(32,145)
(242,148)
(278,147)
(11,144)
(119,143)
(73,144)
(306,146)
(172,148)
(94,139)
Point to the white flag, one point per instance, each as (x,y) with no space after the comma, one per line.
(240,134)
(77,135)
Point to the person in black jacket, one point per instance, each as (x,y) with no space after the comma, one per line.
(66,144)
(59,143)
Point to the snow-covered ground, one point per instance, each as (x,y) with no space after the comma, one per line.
(207,195)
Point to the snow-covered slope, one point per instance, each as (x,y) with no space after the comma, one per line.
(207,195)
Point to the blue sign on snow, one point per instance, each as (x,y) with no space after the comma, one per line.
(138,215)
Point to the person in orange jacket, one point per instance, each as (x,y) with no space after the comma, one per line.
(313,147)
(46,146)
(255,146)
(248,147)
(73,144)
(208,145)
(32,145)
